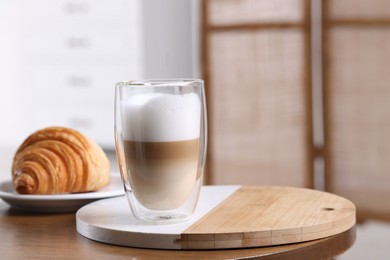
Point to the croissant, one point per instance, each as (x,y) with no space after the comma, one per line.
(58,160)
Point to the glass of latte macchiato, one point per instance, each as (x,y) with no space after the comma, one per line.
(160,138)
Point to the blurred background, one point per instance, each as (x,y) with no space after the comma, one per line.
(298,91)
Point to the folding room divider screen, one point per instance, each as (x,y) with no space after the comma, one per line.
(257,64)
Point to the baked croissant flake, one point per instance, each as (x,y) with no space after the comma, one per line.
(58,160)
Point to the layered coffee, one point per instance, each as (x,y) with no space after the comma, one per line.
(161,146)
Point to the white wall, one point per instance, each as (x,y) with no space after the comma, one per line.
(60,60)
(170,48)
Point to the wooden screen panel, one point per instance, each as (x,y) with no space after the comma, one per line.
(259,109)
(258,90)
(225,12)
(360,10)
(357,108)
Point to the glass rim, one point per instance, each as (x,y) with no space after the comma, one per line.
(163,82)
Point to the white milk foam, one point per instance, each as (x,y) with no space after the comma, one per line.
(161,117)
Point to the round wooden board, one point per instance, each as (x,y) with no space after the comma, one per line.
(226,217)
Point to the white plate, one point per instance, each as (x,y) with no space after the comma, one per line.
(61,202)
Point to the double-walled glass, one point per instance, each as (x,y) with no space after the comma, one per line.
(160,138)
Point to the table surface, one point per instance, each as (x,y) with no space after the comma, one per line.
(47,236)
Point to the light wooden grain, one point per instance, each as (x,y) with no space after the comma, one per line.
(263,216)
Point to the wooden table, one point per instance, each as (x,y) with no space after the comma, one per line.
(53,236)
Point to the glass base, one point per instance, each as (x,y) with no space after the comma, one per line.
(180,214)
(161,217)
